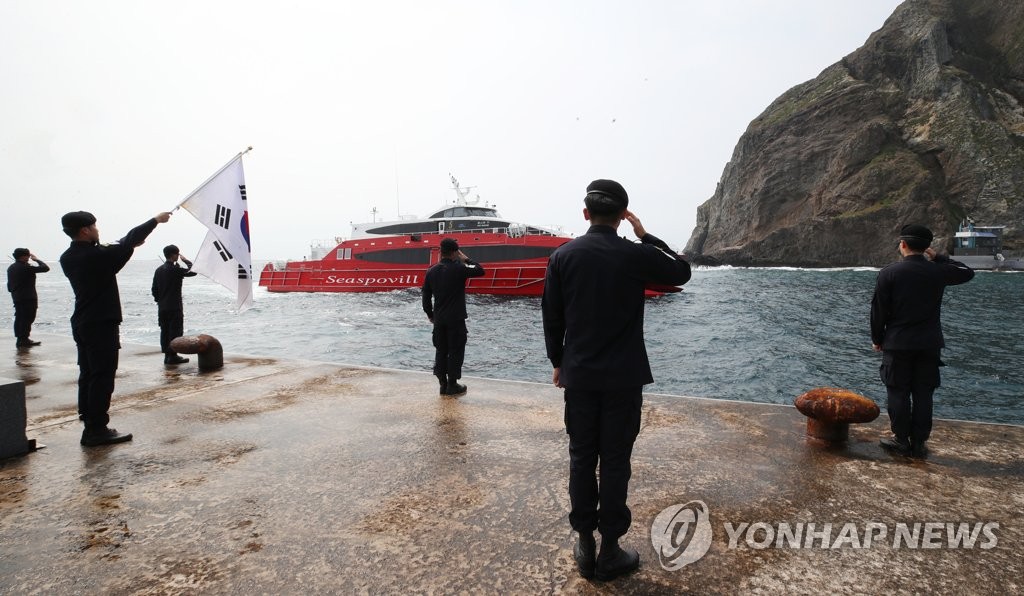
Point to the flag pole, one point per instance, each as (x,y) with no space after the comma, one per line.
(217,173)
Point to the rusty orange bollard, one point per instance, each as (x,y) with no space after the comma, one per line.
(206,347)
(830,411)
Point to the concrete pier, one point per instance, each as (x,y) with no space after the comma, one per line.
(294,477)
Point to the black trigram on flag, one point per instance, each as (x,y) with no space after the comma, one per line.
(241,190)
(222,217)
(242,273)
(223,252)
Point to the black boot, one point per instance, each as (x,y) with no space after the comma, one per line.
(585,554)
(615,561)
(173,358)
(895,445)
(454,388)
(444,384)
(104,436)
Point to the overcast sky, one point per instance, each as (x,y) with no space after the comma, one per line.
(123,108)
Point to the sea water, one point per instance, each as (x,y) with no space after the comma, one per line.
(763,335)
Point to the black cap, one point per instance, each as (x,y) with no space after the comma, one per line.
(606,197)
(916,232)
(170,250)
(21,252)
(449,245)
(76,220)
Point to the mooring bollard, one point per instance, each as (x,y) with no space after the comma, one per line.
(830,411)
(205,347)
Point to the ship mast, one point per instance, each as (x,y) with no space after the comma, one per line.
(462,192)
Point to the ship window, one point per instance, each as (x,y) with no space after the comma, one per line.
(344,254)
(409,256)
(465,212)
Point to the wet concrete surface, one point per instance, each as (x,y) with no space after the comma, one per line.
(282,476)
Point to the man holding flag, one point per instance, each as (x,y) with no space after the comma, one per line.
(92,269)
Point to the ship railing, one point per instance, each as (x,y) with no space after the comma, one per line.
(279,277)
(512,231)
(981,251)
(320,247)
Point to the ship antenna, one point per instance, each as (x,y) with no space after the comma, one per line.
(462,192)
(398,198)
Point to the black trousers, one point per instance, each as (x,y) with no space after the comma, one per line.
(449,349)
(172,326)
(24,316)
(98,348)
(602,427)
(910,378)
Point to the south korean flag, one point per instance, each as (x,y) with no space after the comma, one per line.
(225,256)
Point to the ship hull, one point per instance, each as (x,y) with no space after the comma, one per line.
(507,280)
(355,266)
(989,263)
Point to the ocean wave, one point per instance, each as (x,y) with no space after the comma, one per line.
(783,268)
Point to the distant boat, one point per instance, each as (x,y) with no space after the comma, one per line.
(981,247)
(393,255)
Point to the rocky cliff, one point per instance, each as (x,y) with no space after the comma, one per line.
(922,124)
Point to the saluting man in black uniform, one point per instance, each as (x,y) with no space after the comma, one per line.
(92,269)
(21,283)
(593,311)
(167,293)
(905,327)
(444,301)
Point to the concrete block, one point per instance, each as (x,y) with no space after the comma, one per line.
(13,419)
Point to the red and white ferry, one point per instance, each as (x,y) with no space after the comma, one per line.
(391,255)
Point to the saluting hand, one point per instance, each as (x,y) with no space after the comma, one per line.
(638,228)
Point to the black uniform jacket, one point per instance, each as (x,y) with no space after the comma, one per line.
(92,270)
(907,301)
(445,282)
(167,285)
(21,280)
(593,307)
